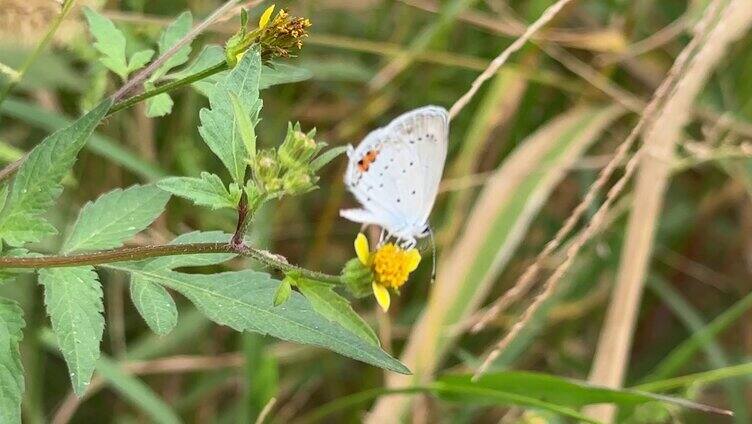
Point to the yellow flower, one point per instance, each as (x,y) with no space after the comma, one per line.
(391,266)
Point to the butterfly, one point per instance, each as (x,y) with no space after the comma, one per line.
(395,172)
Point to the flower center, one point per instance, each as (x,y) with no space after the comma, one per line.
(391,266)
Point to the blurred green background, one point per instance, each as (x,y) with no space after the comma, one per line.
(521,156)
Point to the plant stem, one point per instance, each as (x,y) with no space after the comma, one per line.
(145,252)
(67,6)
(198,29)
(124,104)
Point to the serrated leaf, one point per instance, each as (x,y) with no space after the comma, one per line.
(37,182)
(329,304)
(11,369)
(244,301)
(209,190)
(139,59)
(159,105)
(169,37)
(327,157)
(110,42)
(282,73)
(218,124)
(154,304)
(178,261)
(73,297)
(115,217)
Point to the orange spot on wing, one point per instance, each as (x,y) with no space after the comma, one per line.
(365,162)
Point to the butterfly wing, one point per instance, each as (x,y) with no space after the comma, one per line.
(398,182)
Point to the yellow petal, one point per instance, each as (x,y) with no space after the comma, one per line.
(413,259)
(382,296)
(361,248)
(264,20)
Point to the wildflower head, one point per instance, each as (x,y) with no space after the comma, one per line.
(389,267)
(275,36)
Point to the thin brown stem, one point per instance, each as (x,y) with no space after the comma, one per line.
(145,252)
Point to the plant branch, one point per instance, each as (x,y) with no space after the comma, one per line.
(145,252)
(164,88)
(15,79)
(146,72)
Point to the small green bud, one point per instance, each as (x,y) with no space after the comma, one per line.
(266,168)
(255,196)
(357,278)
(284,291)
(297,149)
(297,182)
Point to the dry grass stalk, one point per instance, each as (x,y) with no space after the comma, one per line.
(545,18)
(612,355)
(592,227)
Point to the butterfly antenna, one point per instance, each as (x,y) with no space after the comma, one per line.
(433,255)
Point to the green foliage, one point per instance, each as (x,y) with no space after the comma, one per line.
(154,304)
(336,308)
(218,123)
(11,370)
(244,301)
(73,297)
(37,182)
(115,217)
(110,42)
(556,390)
(208,190)
(284,291)
(161,104)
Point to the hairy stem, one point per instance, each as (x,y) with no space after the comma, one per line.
(164,88)
(146,72)
(145,252)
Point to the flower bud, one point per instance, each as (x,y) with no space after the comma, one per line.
(297,182)
(357,278)
(297,149)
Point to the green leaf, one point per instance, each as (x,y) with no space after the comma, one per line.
(327,157)
(336,308)
(11,370)
(218,124)
(178,261)
(209,190)
(246,126)
(115,217)
(169,37)
(556,390)
(73,297)
(154,304)
(110,42)
(139,59)
(282,73)
(37,182)
(244,301)
(159,105)
(283,292)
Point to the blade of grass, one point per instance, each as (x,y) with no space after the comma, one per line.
(497,224)
(660,139)
(716,356)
